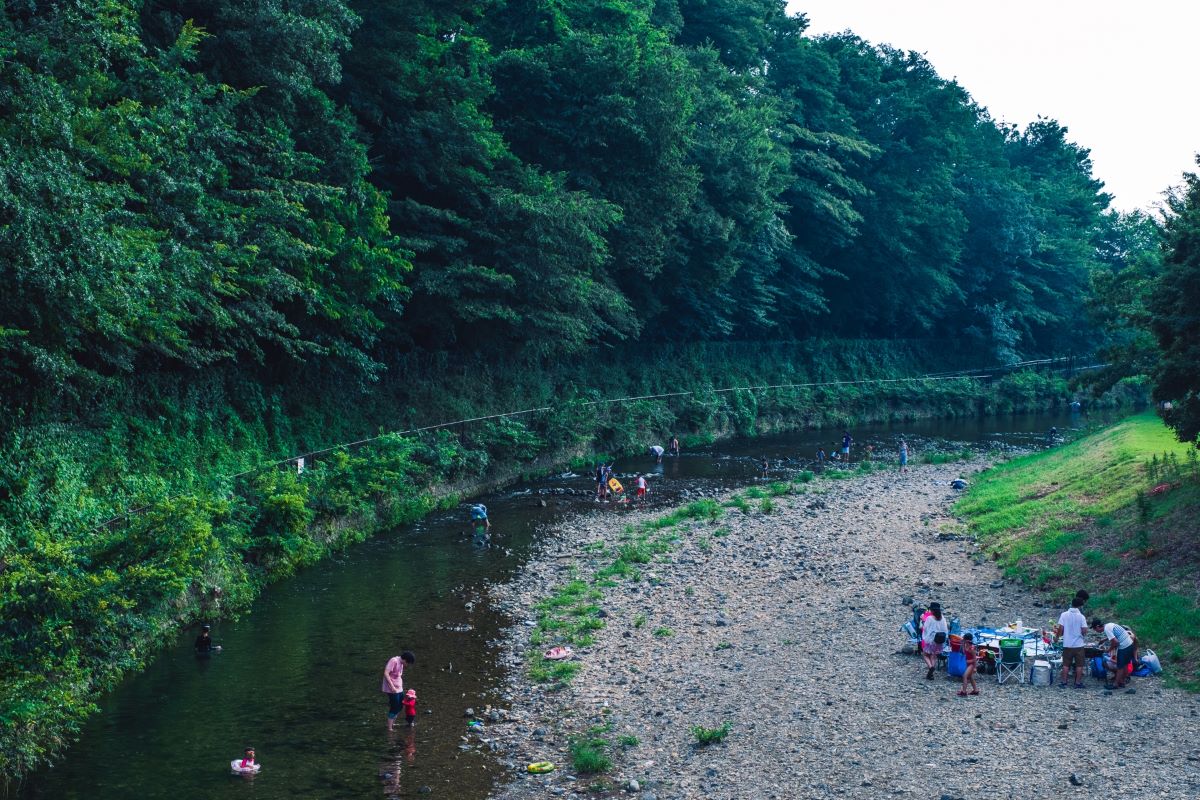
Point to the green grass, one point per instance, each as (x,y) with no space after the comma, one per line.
(589,755)
(639,621)
(766,505)
(705,736)
(1080,515)
(664,632)
(628,741)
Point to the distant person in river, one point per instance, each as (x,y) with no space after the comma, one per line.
(658,451)
(247,761)
(204,643)
(903,456)
(1052,435)
(480,522)
(847,440)
(393,685)
(673,447)
(601,482)
(820,456)
(766,467)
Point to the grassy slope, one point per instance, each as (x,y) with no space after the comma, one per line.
(1081,516)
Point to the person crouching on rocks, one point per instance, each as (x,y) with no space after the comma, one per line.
(933,638)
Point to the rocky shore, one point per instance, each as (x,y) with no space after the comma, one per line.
(784,624)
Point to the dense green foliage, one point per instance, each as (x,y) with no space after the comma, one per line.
(231,232)
(1175,309)
(296,188)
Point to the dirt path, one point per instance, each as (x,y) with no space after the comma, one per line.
(786,627)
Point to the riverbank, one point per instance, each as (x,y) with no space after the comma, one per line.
(112,588)
(782,625)
(1118,511)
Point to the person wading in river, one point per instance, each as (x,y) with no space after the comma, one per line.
(393,685)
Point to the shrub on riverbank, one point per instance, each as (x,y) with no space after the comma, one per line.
(1104,513)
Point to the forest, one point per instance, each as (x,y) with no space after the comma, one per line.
(230,229)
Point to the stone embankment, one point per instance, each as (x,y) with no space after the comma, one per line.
(785,625)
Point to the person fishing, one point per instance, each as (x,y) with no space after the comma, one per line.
(204,644)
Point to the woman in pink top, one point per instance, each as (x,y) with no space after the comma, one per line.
(393,684)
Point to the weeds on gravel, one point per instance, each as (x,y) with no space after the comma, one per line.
(778,489)
(755,493)
(705,545)
(705,736)
(739,502)
(588,754)
(805,476)
(664,632)
(639,620)
(560,672)
(628,741)
(766,505)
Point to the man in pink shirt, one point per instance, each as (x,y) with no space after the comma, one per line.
(393,684)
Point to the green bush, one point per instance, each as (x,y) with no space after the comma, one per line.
(705,736)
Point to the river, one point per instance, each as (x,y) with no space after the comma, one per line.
(298,677)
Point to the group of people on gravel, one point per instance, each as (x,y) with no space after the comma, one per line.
(1120,647)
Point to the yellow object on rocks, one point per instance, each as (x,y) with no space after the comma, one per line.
(538,767)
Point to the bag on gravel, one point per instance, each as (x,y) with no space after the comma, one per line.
(956,665)
(1150,659)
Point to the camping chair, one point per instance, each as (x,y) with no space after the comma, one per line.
(1012,660)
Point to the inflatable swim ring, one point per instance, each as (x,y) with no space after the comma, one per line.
(236,766)
(557,653)
(539,767)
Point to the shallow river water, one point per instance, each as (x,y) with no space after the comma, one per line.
(299,675)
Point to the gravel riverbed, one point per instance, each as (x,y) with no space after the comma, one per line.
(786,627)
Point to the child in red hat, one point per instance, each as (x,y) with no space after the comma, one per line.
(410,707)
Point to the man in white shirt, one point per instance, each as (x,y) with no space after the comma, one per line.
(1121,642)
(1071,625)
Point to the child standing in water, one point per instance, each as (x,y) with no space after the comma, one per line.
(410,707)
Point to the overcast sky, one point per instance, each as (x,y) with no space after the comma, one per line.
(1121,76)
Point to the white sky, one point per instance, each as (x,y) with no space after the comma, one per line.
(1120,75)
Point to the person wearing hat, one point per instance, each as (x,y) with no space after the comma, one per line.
(934,632)
(409,703)
(204,643)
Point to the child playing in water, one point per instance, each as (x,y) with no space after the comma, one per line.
(410,707)
(248,761)
(968,650)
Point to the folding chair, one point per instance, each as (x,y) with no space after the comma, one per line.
(1012,660)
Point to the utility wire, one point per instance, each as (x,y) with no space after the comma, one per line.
(970,374)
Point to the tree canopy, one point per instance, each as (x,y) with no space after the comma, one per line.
(273,188)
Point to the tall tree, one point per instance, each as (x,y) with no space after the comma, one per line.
(1175,306)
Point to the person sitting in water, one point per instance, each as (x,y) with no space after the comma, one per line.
(204,643)
(247,761)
